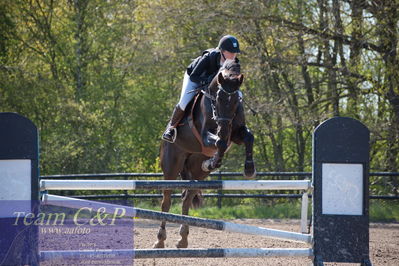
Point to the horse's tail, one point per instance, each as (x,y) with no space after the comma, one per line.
(161,153)
(197,199)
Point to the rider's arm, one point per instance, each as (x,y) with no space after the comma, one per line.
(201,67)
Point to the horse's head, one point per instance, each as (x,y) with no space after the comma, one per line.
(229,80)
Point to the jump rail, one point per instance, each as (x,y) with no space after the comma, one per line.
(178,253)
(48,184)
(119,211)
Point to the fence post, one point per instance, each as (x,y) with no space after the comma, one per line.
(304,213)
(126,195)
(220,192)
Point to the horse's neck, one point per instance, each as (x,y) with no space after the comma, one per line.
(213,89)
(204,108)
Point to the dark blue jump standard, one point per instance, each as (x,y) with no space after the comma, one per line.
(341,192)
(19,160)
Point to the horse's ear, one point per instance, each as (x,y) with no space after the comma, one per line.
(241,78)
(220,78)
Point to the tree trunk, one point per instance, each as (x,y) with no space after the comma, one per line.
(80,7)
(388,19)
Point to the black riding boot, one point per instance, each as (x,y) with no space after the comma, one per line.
(170,132)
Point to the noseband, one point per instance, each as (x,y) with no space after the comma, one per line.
(220,88)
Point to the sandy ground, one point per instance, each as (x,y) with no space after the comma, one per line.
(384,243)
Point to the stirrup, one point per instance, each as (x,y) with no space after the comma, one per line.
(174,136)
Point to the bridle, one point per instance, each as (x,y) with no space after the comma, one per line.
(216,116)
(220,87)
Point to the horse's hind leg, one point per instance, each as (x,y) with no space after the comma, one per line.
(184,229)
(172,161)
(192,171)
(165,206)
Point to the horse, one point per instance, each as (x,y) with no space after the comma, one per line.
(214,120)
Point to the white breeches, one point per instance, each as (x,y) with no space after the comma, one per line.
(187,93)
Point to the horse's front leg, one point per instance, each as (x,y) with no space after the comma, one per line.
(249,167)
(216,161)
(242,135)
(224,130)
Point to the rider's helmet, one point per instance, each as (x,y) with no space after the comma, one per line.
(229,43)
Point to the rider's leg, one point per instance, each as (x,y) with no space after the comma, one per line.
(186,96)
(177,115)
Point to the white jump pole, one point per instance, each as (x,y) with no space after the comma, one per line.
(177,253)
(174,218)
(48,184)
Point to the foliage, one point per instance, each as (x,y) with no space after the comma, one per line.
(100,78)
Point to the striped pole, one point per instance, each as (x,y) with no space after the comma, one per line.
(174,218)
(177,253)
(48,184)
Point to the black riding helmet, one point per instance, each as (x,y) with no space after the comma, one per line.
(229,43)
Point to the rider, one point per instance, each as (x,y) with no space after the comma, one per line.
(200,72)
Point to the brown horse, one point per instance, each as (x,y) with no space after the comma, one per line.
(216,119)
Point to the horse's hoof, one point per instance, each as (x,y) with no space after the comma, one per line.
(182,243)
(206,165)
(159,244)
(161,234)
(249,170)
(250,175)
